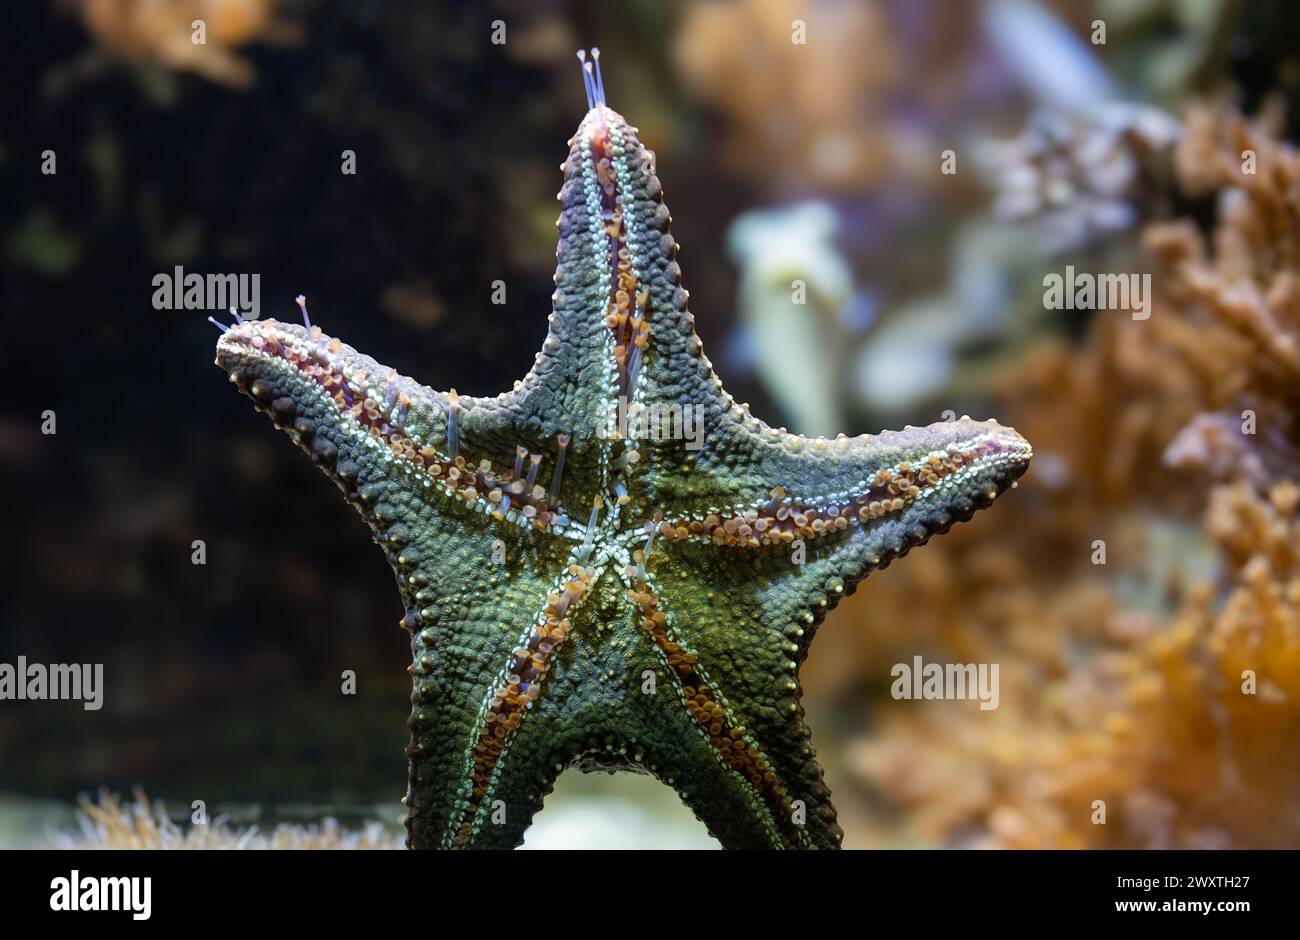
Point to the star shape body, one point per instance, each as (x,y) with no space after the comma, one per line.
(586,592)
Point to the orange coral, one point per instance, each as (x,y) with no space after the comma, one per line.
(162,31)
(788,104)
(1183,725)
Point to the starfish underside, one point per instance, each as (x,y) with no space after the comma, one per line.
(580,598)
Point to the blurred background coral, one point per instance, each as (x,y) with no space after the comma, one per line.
(1173,440)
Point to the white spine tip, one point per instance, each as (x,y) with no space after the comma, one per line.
(301,301)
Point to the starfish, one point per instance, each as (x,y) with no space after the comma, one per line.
(587,583)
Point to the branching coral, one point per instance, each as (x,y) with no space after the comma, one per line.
(1242,289)
(1080,177)
(112,823)
(1167,708)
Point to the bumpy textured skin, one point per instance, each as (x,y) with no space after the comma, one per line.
(686,668)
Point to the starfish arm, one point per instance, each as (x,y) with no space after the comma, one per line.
(742,638)
(768,487)
(345,409)
(573,378)
(739,690)
(610,703)
(672,367)
(469,577)
(466,617)
(619,330)
(509,701)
